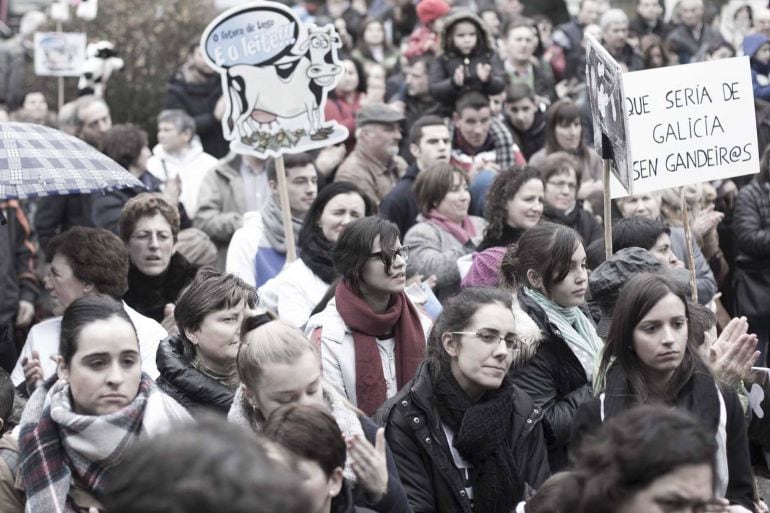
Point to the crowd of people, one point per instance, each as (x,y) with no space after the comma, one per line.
(452,336)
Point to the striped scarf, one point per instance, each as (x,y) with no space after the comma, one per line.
(56,444)
(576,330)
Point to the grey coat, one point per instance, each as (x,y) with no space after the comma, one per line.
(435,251)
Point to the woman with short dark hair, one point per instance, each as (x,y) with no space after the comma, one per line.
(650,358)
(312,434)
(444,231)
(197,365)
(464,437)
(82,262)
(372,337)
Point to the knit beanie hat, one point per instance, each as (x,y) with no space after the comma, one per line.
(485,269)
(430,10)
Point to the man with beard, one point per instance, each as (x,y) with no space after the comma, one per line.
(374,164)
(197,90)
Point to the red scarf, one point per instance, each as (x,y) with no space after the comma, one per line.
(366,325)
(463,232)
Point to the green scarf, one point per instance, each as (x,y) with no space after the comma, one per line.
(576,330)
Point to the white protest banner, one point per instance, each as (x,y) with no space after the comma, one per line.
(59,54)
(689,124)
(606,97)
(276,73)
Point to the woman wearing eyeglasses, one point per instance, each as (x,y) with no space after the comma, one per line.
(444,231)
(149,226)
(372,337)
(562,181)
(548,266)
(464,437)
(197,365)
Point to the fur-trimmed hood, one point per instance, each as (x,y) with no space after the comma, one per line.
(528,332)
(485,43)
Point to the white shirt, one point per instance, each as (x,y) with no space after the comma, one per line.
(191,165)
(44,338)
(242,251)
(293,293)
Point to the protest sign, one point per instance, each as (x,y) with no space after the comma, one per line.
(689,124)
(276,73)
(605,95)
(59,54)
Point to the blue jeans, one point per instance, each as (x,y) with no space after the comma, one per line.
(479,188)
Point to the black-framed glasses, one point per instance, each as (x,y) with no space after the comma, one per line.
(403,252)
(491,336)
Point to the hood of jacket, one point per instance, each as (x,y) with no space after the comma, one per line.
(752,43)
(485,42)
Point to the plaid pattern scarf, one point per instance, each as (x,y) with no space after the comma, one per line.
(56,442)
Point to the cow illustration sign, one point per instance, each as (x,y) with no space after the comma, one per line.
(276,73)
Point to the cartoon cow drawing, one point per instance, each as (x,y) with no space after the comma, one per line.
(291,86)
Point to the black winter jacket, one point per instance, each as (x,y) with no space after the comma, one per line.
(415,436)
(740,487)
(400,204)
(442,85)
(186,384)
(751,230)
(556,382)
(149,295)
(751,224)
(580,220)
(199,101)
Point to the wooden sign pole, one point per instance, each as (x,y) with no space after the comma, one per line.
(688,241)
(283,194)
(607,211)
(60,80)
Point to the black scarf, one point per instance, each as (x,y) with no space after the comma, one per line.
(316,252)
(148,295)
(482,434)
(698,396)
(508,236)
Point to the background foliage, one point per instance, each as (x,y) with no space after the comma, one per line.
(151,36)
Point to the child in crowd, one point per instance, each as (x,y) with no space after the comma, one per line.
(425,37)
(468,61)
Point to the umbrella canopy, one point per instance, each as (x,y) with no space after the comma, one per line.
(39,161)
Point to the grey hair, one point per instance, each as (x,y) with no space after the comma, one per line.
(180,119)
(612,16)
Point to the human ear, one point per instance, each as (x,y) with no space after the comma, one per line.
(335,482)
(414,150)
(449,344)
(62,370)
(192,337)
(534,279)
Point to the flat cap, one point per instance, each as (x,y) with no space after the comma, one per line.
(377,113)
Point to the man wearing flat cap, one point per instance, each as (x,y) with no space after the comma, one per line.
(374,164)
